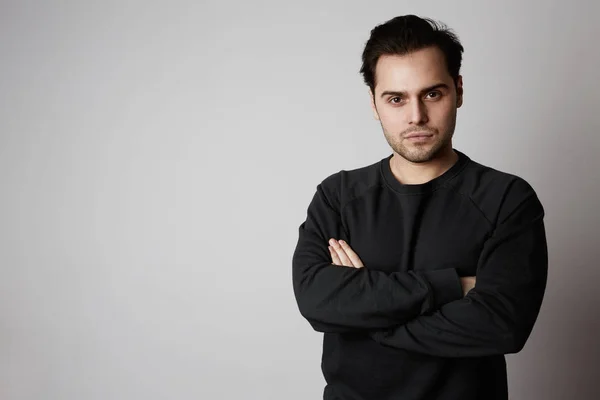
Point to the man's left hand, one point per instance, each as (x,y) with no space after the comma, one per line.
(343,255)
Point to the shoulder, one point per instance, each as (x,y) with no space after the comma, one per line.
(496,193)
(348,184)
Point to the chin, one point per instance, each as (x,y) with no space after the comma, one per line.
(418,158)
(419,154)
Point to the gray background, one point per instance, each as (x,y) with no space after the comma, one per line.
(156,160)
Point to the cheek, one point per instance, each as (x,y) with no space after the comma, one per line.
(391,117)
(441,116)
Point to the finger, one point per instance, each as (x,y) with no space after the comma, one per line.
(342,254)
(334,256)
(354,258)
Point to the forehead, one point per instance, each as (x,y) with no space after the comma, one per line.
(411,72)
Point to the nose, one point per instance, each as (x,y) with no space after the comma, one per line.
(417,113)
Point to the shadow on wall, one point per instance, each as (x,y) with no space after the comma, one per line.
(575,314)
(561,359)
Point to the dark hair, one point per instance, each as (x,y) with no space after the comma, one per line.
(407,33)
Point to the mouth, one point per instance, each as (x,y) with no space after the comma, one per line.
(418,136)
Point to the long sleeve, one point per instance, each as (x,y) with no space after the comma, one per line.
(341,299)
(497,316)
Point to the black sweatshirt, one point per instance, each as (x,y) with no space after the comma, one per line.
(400,328)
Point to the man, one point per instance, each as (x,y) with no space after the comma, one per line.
(425,268)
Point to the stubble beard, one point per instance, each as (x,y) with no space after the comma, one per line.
(421,153)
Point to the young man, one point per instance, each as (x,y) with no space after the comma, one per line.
(425,268)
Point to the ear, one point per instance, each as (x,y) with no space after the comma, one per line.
(459,92)
(373,107)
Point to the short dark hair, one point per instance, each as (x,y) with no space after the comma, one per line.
(407,33)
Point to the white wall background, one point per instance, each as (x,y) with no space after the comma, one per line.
(157,158)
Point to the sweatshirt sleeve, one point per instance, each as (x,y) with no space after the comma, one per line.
(342,299)
(497,316)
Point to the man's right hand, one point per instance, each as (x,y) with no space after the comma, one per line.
(468,283)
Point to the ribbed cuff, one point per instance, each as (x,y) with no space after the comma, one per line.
(446,286)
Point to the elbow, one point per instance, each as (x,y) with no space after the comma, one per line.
(503,336)
(303,300)
(312,316)
(510,345)
(316,315)
(306,310)
(322,328)
(309,310)
(515,341)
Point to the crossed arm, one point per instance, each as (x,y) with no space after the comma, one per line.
(430,312)
(343,255)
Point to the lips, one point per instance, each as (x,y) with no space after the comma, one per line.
(418,135)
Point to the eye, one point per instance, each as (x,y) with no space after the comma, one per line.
(435,94)
(393,100)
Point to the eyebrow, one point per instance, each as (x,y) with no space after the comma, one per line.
(428,89)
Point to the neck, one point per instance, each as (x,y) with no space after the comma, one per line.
(409,173)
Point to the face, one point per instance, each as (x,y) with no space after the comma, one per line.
(415,101)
